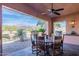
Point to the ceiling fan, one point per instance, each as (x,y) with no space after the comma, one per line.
(56,11)
(53,11)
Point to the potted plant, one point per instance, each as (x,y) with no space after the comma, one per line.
(41,32)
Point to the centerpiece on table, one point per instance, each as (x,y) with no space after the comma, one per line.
(41,32)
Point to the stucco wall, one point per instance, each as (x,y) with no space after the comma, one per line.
(68,19)
(71,39)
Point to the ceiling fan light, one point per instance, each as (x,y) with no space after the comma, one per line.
(49,10)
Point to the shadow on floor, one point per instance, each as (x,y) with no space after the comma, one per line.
(71,50)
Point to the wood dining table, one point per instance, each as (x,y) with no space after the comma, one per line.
(48,44)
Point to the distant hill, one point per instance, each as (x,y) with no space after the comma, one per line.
(7,27)
(14,28)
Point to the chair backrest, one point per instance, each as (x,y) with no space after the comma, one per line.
(40,43)
(46,36)
(58,41)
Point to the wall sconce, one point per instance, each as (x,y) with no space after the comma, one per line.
(72,22)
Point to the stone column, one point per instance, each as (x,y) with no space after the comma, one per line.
(50,27)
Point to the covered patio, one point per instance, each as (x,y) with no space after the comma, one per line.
(67,12)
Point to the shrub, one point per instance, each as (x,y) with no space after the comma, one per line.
(5,36)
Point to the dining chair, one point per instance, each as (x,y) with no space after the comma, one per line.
(49,46)
(61,45)
(40,45)
(58,45)
(33,41)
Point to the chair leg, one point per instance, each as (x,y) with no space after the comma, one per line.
(37,52)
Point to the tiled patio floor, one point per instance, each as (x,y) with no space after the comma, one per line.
(71,50)
(23,52)
(28,52)
(15,46)
(24,49)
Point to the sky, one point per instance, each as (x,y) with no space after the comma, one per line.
(10,17)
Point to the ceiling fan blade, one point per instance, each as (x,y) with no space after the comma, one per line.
(56,13)
(59,9)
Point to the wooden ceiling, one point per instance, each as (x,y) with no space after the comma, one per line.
(69,8)
(37,9)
